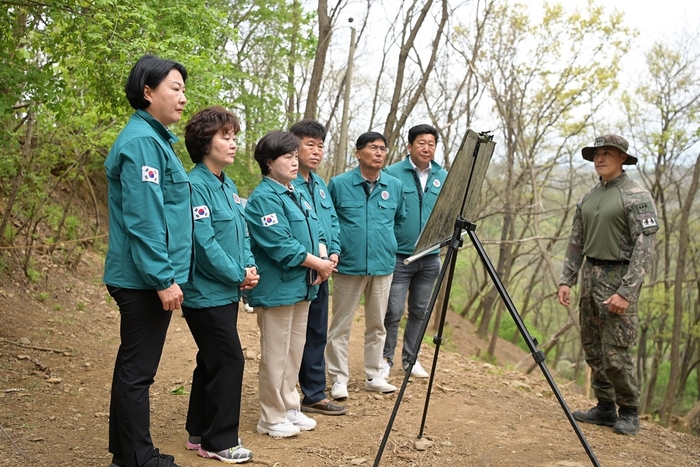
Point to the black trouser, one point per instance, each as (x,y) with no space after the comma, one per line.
(215,400)
(312,373)
(142,329)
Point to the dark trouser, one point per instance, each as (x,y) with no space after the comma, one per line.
(417,280)
(142,329)
(215,400)
(312,373)
(607,337)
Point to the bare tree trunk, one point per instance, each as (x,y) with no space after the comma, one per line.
(324,39)
(19,178)
(650,388)
(396,120)
(690,422)
(82,159)
(547,346)
(291,65)
(496,328)
(674,377)
(453,103)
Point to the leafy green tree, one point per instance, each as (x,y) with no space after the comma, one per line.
(64,66)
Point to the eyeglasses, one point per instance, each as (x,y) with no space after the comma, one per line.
(374,147)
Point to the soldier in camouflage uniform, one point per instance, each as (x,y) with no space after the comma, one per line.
(614,228)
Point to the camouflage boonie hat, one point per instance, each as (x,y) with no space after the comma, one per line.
(615,141)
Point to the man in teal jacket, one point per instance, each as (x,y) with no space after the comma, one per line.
(312,373)
(422,181)
(370,205)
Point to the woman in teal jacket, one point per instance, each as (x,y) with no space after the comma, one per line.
(224,266)
(150,249)
(290,253)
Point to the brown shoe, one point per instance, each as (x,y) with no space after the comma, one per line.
(325,407)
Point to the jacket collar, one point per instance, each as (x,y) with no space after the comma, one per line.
(277,187)
(358,179)
(159,127)
(208,177)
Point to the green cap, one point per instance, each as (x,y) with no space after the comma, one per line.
(615,141)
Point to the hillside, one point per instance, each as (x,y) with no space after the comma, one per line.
(58,339)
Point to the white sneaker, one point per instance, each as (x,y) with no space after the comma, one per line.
(285,429)
(379,384)
(339,391)
(385,370)
(300,420)
(235,455)
(417,371)
(248,309)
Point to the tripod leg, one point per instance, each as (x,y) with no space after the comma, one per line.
(537,354)
(437,339)
(450,261)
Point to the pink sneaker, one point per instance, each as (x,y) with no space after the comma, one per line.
(193,443)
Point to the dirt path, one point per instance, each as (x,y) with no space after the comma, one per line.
(53,405)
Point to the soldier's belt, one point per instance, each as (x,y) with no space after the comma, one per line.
(606,262)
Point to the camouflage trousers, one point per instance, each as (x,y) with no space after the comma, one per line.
(607,337)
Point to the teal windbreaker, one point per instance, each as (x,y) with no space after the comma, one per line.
(317,191)
(367,222)
(150,215)
(283,229)
(221,245)
(419,203)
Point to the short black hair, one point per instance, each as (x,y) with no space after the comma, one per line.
(149,71)
(273,145)
(308,128)
(365,138)
(202,128)
(421,129)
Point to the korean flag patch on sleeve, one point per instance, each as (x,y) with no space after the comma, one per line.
(149,174)
(200,212)
(269,219)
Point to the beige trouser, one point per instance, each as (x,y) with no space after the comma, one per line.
(347,291)
(282,339)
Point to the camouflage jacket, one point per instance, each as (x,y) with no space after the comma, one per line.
(633,239)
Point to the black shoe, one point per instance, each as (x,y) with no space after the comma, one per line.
(628,423)
(602,414)
(160,460)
